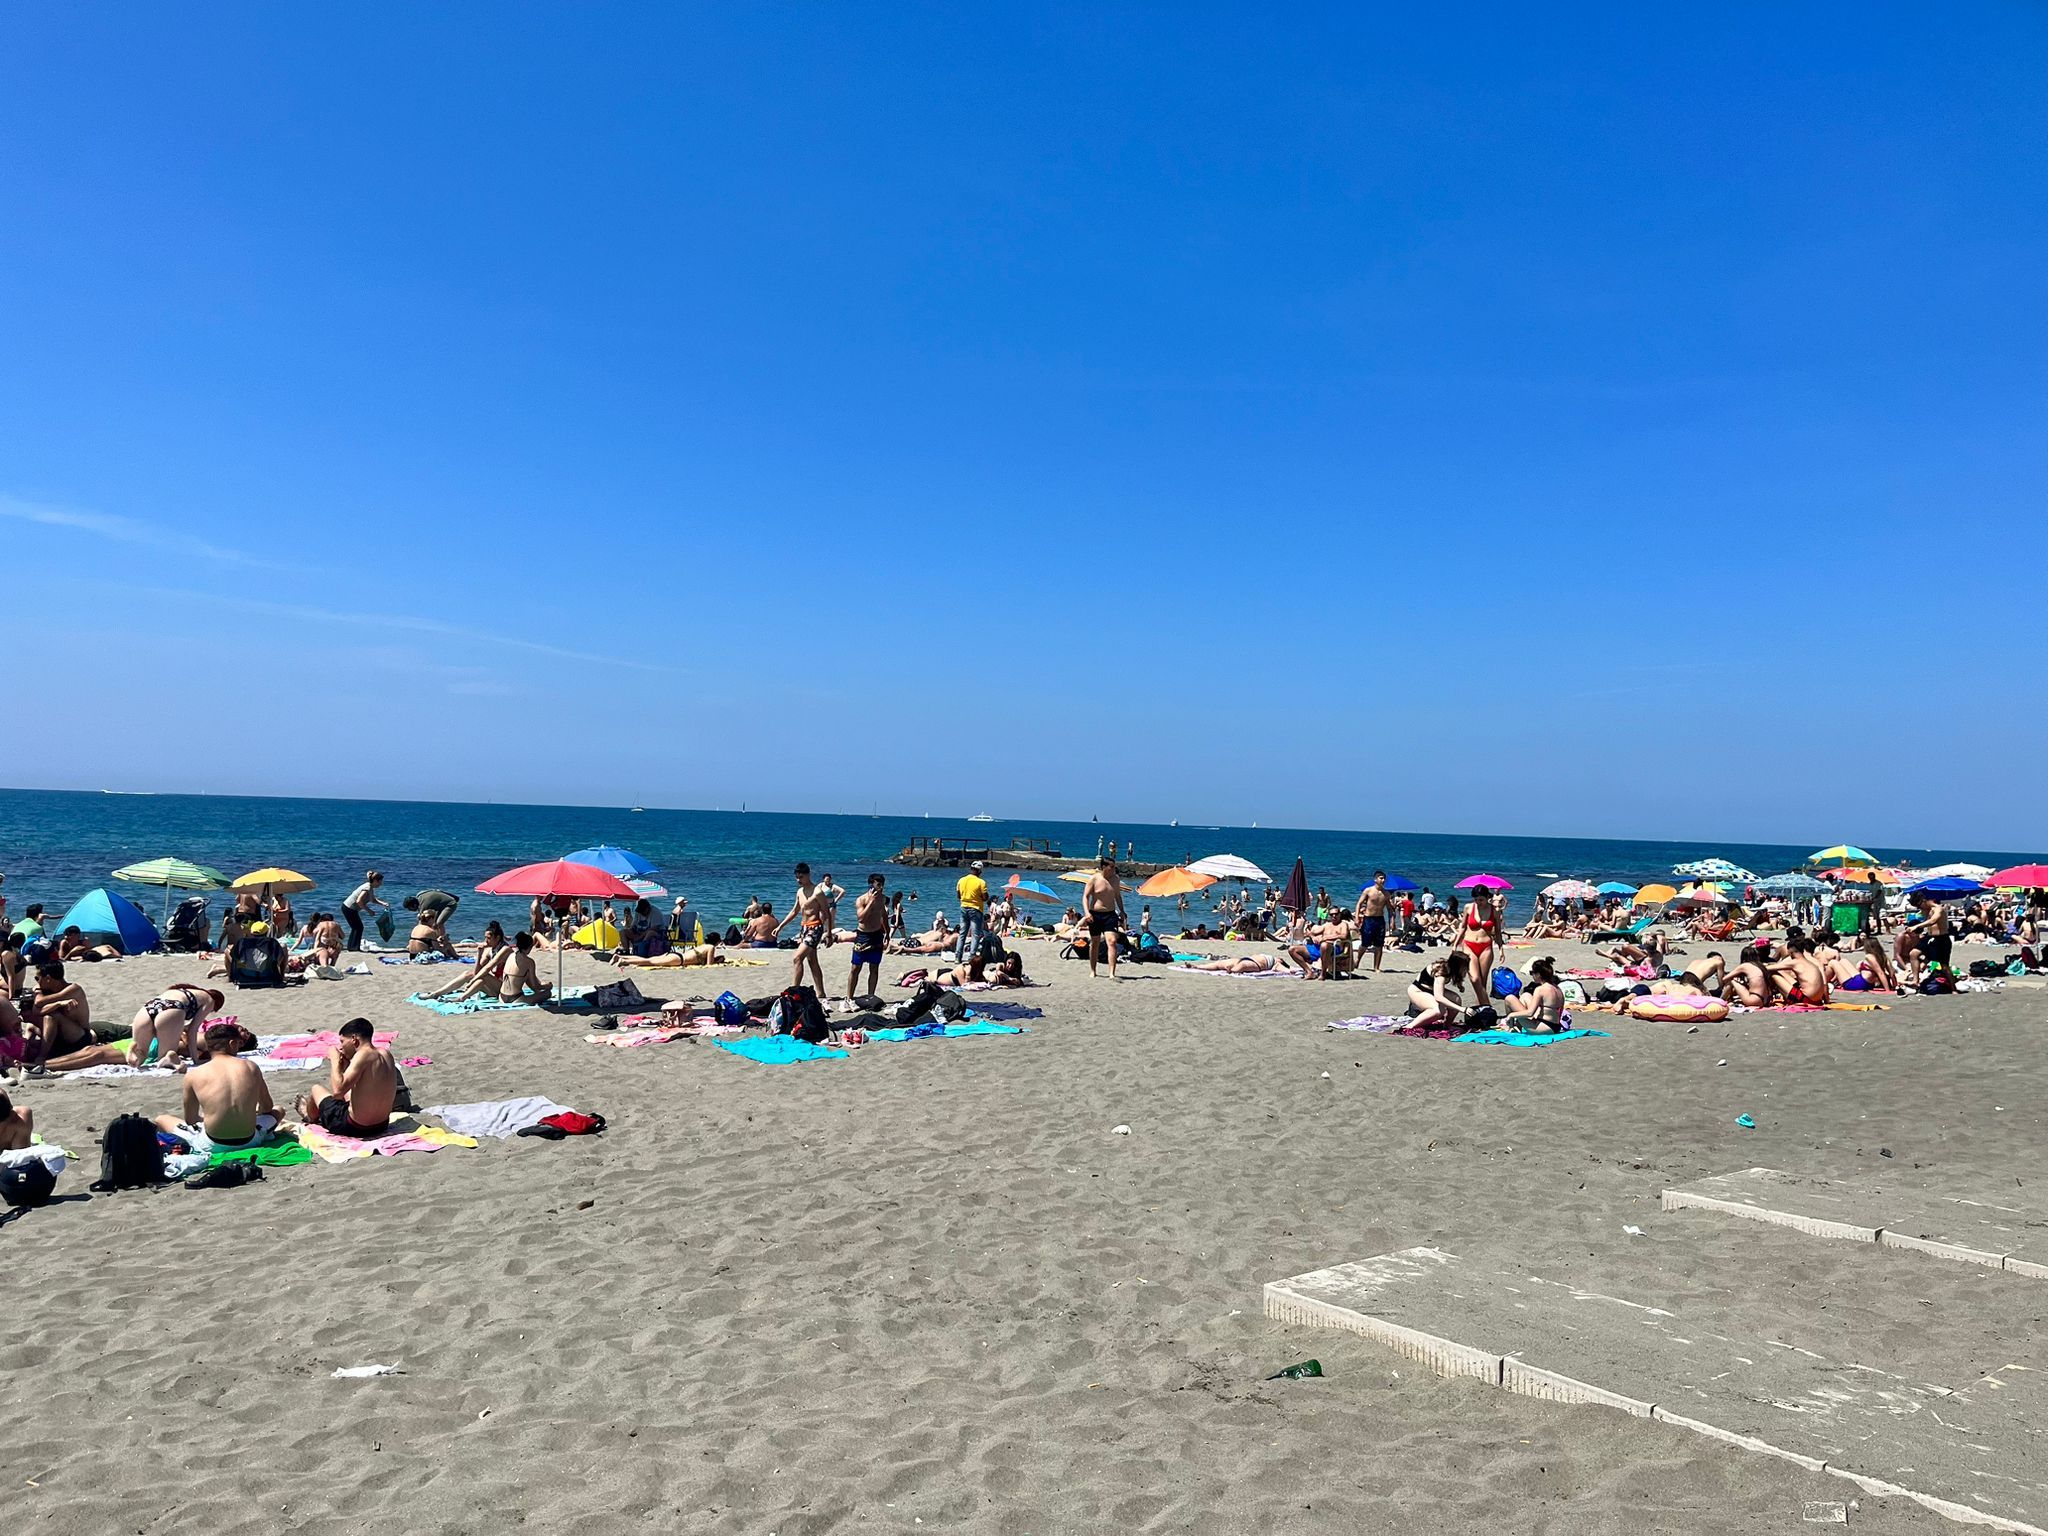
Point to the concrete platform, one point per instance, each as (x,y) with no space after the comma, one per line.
(1994,1230)
(1786,1372)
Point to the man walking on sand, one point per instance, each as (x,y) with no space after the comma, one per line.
(1372,917)
(1103,900)
(814,906)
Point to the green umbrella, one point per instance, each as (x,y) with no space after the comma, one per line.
(173,875)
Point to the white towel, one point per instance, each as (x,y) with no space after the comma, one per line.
(495,1117)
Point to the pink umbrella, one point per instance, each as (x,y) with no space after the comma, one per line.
(1487,882)
(557,877)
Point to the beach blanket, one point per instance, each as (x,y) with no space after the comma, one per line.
(405,1135)
(575,997)
(278,1149)
(421,960)
(1284,970)
(314,1047)
(779,1050)
(495,1117)
(662,1034)
(1005,1011)
(948,1031)
(1371,1023)
(1516,1037)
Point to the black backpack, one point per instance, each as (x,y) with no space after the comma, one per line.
(950,1006)
(802,1014)
(26,1183)
(130,1155)
(919,1003)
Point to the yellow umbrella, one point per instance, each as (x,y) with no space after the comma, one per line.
(1176,881)
(1654,895)
(1078,876)
(282,882)
(598,935)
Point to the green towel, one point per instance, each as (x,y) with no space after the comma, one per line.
(275,1152)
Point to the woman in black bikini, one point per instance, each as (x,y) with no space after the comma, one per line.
(1538,1009)
(1433,995)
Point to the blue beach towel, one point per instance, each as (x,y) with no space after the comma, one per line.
(421,960)
(1515,1037)
(450,1007)
(779,1050)
(951,1031)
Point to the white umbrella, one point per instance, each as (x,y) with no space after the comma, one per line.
(1228,866)
(1571,890)
(1959,871)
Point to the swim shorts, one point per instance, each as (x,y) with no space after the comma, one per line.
(334,1117)
(867,949)
(1104,922)
(1372,931)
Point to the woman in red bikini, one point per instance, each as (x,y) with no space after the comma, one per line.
(1479,934)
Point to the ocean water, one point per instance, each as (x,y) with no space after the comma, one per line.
(56,845)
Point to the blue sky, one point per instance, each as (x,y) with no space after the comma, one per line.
(1605,423)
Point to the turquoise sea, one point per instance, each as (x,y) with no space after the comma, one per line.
(55,845)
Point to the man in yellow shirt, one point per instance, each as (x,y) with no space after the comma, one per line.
(973,912)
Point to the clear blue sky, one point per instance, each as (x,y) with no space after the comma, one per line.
(1659,389)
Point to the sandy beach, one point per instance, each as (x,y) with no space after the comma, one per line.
(927,1288)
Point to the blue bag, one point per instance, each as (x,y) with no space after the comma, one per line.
(730,1010)
(1506,983)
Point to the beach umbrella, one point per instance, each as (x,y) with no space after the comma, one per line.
(1654,895)
(1295,897)
(1948,888)
(1399,883)
(1713,869)
(178,875)
(1078,876)
(1841,856)
(1485,882)
(1615,888)
(623,862)
(102,912)
(1228,866)
(1866,876)
(1031,890)
(1793,884)
(647,888)
(281,882)
(2019,877)
(556,878)
(1958,871)
(1175,882)
(1570,890)
(1703,896)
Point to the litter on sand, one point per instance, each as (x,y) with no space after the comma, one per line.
(356,1372)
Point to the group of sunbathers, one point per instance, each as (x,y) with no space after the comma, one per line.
(227,1099)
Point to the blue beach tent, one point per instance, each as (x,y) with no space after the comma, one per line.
(102,912)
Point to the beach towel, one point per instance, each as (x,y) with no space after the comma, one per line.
(1372,1023)
(494,1117)
(39,1151)
(421,960)
(1516,1037)
(574,997)
(948,1031)
(1006,1011)
(316,1046)
(405,1135)
(1284,970)
(275,1150)
(779,1050)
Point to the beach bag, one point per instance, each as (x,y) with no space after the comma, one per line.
(27,1183)
(798,1012)
(1505,982)
(623,993)
(733,936)
(130,1155)
(951,1007)
(1984,970)
(1482,1017)
(1573,993)
(919,1003)
(385,926)
(730,1010)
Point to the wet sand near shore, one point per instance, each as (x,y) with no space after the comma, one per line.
(926,1288)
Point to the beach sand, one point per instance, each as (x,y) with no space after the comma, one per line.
(927,1289)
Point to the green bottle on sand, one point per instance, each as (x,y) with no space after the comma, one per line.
(1299,1372)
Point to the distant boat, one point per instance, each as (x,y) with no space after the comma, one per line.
(638,809)
(1175,822)
(1255,823)
(981,816)
(127,791)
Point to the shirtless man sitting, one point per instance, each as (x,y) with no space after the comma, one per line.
(1798,978)
(58,1018)
(17,1126)
(225,1096)
(761,929)
(362,1085)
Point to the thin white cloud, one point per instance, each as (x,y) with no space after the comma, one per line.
(125,530)
(366,624)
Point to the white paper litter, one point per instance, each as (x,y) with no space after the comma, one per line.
(352,1372)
